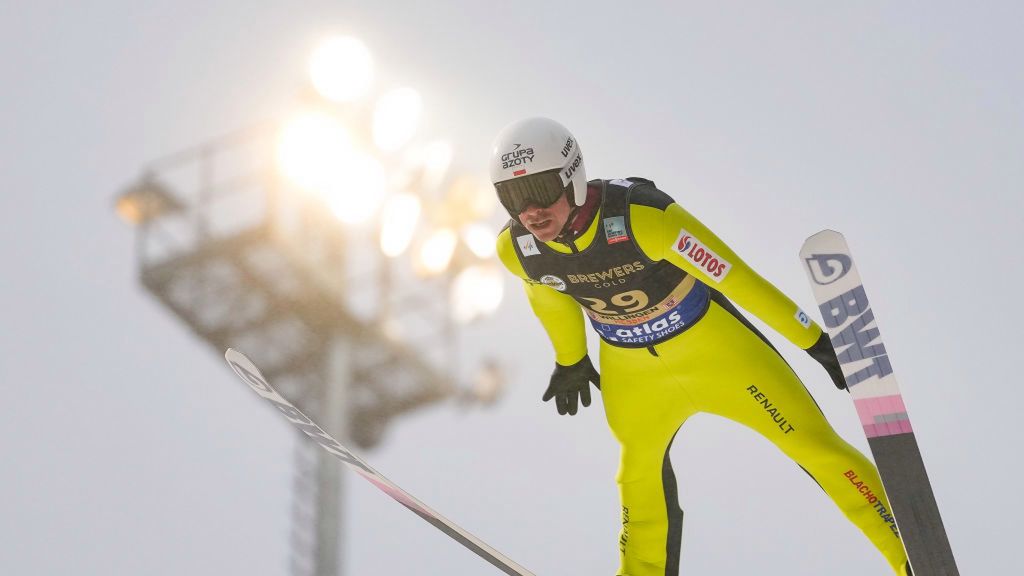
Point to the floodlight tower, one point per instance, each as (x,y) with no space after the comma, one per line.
(264,240)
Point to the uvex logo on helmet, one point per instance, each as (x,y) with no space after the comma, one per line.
(517,157)
(692,249)
(569,170)
(567,147)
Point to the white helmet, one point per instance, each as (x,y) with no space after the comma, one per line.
(536,161)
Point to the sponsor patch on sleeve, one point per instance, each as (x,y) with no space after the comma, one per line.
(698,253)
(527,244)
(803,318)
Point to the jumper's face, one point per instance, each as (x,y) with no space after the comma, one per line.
(545,223)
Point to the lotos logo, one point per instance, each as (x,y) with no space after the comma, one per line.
(692,249)
(517,157)
(827,268)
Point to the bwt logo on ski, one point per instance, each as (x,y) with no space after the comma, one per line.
(856,342)
(517,157)
(827,268)
(716,267)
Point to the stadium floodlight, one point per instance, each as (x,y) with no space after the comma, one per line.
(341,69)
(476,291)
(309,150)
(395,118)
(357,193)
(398,223)
(145,200)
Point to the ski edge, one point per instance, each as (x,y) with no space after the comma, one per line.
(247,371)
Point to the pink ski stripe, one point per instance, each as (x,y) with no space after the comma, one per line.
(874,430)
(868,408)
(872,413)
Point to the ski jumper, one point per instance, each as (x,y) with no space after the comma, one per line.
(657,287)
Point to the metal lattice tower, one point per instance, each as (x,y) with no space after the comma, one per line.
(343,332)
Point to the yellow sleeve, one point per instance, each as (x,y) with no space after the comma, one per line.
(675,235)
(560,315)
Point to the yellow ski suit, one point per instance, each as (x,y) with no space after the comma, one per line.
(674,345)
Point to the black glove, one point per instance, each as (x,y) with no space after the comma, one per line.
(825,354)
(569,384)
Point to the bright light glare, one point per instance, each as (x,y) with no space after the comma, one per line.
(395,118)
(341,69)
(470,199)
(310,148)
(479,239)
(398,223)
(437,157)
(359,190)
(436,253)
(476,291)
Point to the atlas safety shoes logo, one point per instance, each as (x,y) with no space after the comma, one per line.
(828,268)
(527,245)
(518,156)
(648,332)
(553,282)
(615,229)
(704,258)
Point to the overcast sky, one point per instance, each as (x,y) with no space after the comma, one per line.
(128,447)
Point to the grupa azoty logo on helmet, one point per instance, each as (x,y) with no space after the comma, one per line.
(519,156)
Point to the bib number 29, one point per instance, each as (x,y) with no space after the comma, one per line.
(623,303)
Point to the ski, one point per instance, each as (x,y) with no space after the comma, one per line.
(851,325)
(250,374)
